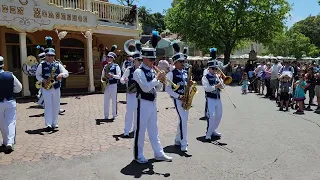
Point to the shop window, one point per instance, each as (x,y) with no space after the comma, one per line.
(72,54)
(71,43)
(15,39)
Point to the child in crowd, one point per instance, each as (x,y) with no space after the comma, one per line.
(299,94)
(245,83)
(285,86)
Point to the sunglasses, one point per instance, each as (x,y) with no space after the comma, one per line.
(50,55)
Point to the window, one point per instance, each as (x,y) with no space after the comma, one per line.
(72,54)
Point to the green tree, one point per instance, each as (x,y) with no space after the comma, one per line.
(225,23)
(310,27)
(151,21)
(292,43)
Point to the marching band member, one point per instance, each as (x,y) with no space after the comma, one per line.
(127,77)
(147,119)
(129,62)
(113,73)
(47,69)
(212,85)
(9,85)
(42,58)
(213,54)
(179,76)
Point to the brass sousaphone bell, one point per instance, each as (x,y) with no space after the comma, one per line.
(130,46)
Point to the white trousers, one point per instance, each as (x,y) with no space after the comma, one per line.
(147,120)
(8,121)
(206,110)
(110,93)
(131,114)
(183,123)
(52,106)
(40,97)
(215,116)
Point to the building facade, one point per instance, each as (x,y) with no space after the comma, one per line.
(90,26)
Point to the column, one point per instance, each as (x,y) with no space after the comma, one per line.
(89,7)
(3,48)
(23,57)
(90,60)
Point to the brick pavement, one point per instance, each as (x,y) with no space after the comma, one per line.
(78,134)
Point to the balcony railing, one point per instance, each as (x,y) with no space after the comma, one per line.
(106,11)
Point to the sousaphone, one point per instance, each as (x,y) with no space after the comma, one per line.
(130,46)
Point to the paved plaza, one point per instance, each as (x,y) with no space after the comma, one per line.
(258,142)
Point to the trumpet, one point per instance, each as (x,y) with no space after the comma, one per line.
(226,79)
(174,86)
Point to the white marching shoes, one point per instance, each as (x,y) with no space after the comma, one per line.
(164,158)
(215,133)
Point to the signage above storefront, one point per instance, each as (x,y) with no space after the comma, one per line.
(33,15)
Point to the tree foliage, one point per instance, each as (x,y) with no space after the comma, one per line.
(225,23)
(310,27)
(292,43)
(151,21)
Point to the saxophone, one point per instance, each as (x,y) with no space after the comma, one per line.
(105,80)
(50,79)
(189,92)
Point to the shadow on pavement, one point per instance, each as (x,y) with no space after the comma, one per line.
(173,149)
(37,115)
(118,136)
(35,107)
(123,102)
(103,121)
(41,131)
(137,170)
(3,149)
(214,141)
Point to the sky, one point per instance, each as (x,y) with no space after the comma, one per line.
(301,8)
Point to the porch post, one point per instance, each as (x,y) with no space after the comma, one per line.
(90,61)
(89,8)
(23,57)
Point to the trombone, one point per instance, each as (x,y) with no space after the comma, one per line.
(227,80)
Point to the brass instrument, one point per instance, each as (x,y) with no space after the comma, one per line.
(130,46)
(38,84)
(105,80)
(223,87)
(189,92)
(50,79)
(174,86)
(226,79)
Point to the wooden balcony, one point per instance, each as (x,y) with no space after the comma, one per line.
(109,14)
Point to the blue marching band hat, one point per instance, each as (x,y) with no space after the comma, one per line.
(213,63)
(111,53)
(148,52)
(49,50)
(178,56)
(1,61)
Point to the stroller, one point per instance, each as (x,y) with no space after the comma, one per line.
(291,90)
